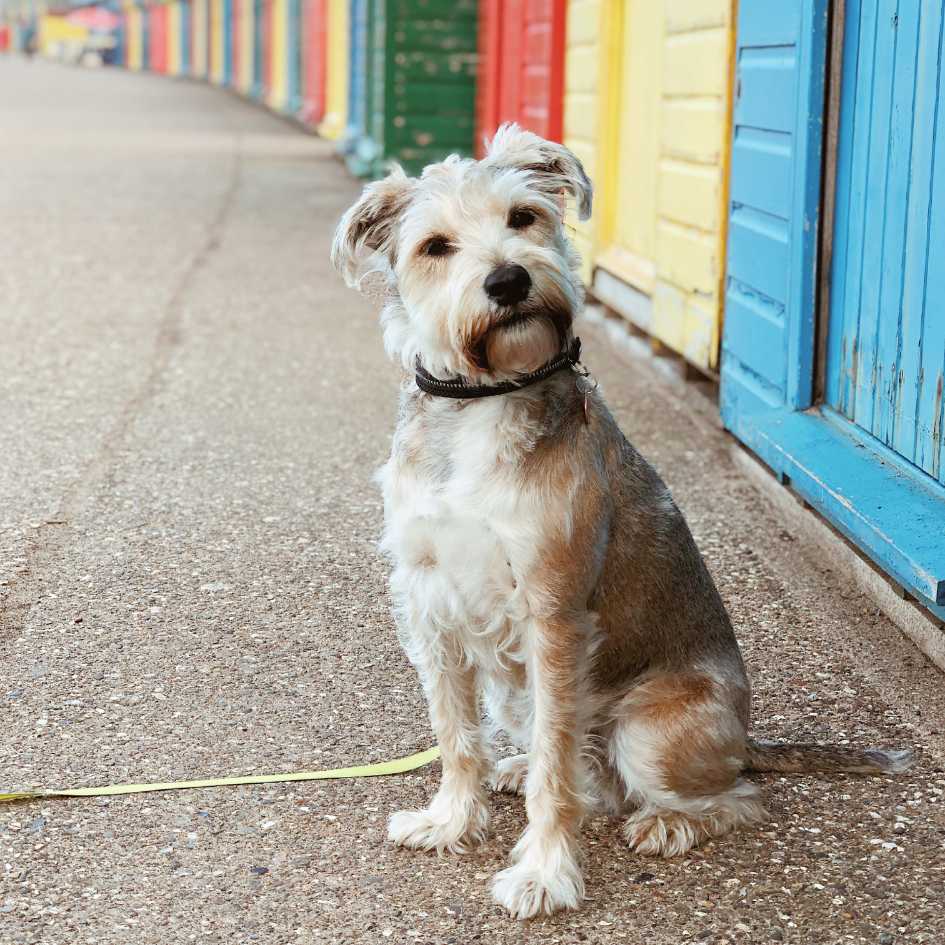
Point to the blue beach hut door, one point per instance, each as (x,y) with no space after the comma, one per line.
(832,370)
(885,357)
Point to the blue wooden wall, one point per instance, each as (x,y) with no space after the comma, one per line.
(296,41)
(357,75)
(886,348)
(258,44)
(767,344)
(185,39)
(885,253)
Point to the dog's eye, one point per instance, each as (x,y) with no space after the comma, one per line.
(521,218)
(437,246)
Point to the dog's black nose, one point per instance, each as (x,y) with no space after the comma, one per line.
(508,284)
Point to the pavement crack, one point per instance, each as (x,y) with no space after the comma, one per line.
(53,533)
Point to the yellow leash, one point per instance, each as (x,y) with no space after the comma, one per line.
(379,769)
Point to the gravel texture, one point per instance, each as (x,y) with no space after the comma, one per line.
(191,408)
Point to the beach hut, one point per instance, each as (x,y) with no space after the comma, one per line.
(145,38)
(157,37)
(313,64)
(259,48)
(220,41)
(359,25)
(337,43)
(647,107)
(833,351)
(200,38)
(244,45)
(521,66)
(420,83)
(178,37)
(296,40)
(277,46)
(134,58)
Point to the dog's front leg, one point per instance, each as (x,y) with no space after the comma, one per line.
(545,875)
(457,818)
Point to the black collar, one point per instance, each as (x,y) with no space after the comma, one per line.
(460,390)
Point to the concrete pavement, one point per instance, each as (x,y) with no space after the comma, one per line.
(190,586)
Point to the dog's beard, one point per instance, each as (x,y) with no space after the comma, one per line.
(520,339)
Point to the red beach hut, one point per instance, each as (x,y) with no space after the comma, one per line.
(521,66)
(157,37)
(314,48)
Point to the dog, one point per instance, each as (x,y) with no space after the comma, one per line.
(541,569)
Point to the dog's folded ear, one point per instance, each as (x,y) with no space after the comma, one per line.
(365,239)
(555,168)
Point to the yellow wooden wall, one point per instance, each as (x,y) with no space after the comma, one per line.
(134,38)
(199,31)
(336,73)
(245,29)
(661,171)
(217,42)
(279,88)
(629,248)
(174,51)
(57,32)
(589,130)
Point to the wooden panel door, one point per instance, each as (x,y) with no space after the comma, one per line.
(886,337)
(426,103)
(312,50)
(592,58)
(640,93)
(521,69)
(336,69)
(768,340)
(542,78)
(296,41)
(157,38)
(259,46)
(357,68)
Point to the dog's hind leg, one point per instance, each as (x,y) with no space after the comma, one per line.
(679,747)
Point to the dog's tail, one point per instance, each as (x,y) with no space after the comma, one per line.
(795,758)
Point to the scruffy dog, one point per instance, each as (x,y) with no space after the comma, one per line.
(541,567)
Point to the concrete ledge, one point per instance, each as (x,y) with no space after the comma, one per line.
(922,628)
(635,343)
(631,303)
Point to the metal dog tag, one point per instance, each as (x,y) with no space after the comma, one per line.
(586,383)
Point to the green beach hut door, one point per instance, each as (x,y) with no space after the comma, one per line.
(420,83)
(886,342)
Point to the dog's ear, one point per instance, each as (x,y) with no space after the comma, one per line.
(366,236)
(555,168)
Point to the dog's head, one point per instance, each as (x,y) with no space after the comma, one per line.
(484,280)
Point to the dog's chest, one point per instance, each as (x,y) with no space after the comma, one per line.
(459,528)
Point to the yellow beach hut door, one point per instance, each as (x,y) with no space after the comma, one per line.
(629,249)
(661,247)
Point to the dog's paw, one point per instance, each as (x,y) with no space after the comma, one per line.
(528,891)
(540,885)
(454,827)
(666,834)
(509,775)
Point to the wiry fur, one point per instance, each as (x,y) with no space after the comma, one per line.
(541,567)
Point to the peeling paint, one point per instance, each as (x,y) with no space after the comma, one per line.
(937,428)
